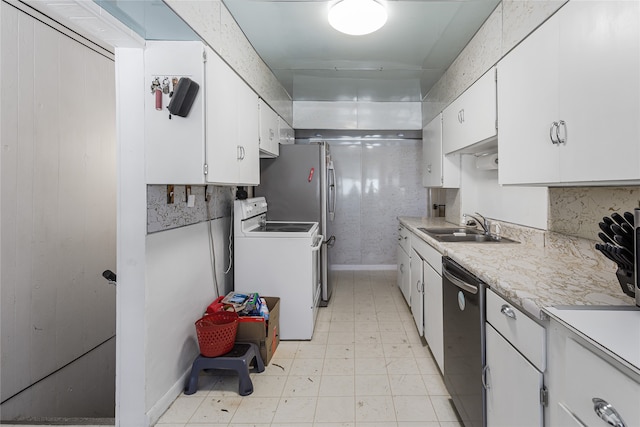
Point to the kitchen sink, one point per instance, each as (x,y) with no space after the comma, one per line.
(449,230)
(460,234)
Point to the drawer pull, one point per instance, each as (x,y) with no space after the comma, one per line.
(485,372)
(606,412)
(508,311)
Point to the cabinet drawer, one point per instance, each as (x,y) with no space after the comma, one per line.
(404,239)
(587,376)
(521,331)
(428,253)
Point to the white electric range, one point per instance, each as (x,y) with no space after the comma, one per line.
(278,259)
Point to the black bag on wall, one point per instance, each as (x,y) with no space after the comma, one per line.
(183,96)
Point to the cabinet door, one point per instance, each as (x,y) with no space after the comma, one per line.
(513,393)
(433,323)
(174,148)
(599,86)
(222,103)
(432,153)
(404,273)
(472,117)
(286,134)
(417,287)
(269,137)
(438,170)
(248,124)
(528,100)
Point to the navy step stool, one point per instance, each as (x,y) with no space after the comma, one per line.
(238,359)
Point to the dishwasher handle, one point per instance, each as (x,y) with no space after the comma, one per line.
(459,282)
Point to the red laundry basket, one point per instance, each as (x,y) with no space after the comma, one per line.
(217,333)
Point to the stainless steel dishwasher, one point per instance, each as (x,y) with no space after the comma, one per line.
(463,308)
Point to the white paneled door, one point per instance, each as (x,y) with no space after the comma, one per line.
(58,179)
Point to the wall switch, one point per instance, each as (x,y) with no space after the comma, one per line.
(191,200)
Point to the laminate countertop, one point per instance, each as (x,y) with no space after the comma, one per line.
(545,269)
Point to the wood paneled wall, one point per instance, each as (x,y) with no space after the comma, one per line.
(58,180)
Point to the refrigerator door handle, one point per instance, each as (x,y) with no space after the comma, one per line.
(332,192)
(330,241)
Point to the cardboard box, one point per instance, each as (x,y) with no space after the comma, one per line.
(266,335)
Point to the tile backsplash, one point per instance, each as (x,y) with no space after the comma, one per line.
(163,216)
(576,211)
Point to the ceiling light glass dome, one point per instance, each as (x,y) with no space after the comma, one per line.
(357,17)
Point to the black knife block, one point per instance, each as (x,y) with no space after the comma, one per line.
(627,280)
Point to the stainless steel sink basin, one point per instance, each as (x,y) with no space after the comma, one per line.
(479,238)
(459,234)
(449,230)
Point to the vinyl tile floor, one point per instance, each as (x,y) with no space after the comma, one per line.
(365,366)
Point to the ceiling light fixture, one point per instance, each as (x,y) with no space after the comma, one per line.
(357,17)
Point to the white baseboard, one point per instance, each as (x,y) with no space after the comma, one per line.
(354,267)
(161,406)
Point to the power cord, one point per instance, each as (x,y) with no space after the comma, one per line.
(230,241)
(212,250)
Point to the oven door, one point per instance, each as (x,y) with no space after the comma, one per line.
(316,278)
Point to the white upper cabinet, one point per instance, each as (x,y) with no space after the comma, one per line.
(217,142)
(174,147)
(438,170)
(568,99)
(470,120)
(286,133)
(232,121)
(269,137)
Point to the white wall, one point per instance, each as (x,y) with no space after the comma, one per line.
(375,182)
(165,278)
(480,192)
(180,286)
(131,326)
(216,26)
(58,221)
(357,115)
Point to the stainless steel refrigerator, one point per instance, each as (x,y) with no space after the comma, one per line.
(299,185)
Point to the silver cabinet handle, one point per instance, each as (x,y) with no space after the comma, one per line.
(564,127)
(485,371)
(553,133)
(418,285)
(429,168)
(402,268)
(607,413)
(508,311)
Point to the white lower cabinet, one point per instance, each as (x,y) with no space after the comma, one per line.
(433,321)
(417,288)
(513,385)
(426,276)
(584,380)
(515,365)
(404,273)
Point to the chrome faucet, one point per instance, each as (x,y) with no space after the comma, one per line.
(484,223)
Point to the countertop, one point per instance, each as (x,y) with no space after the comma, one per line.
(546,269)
